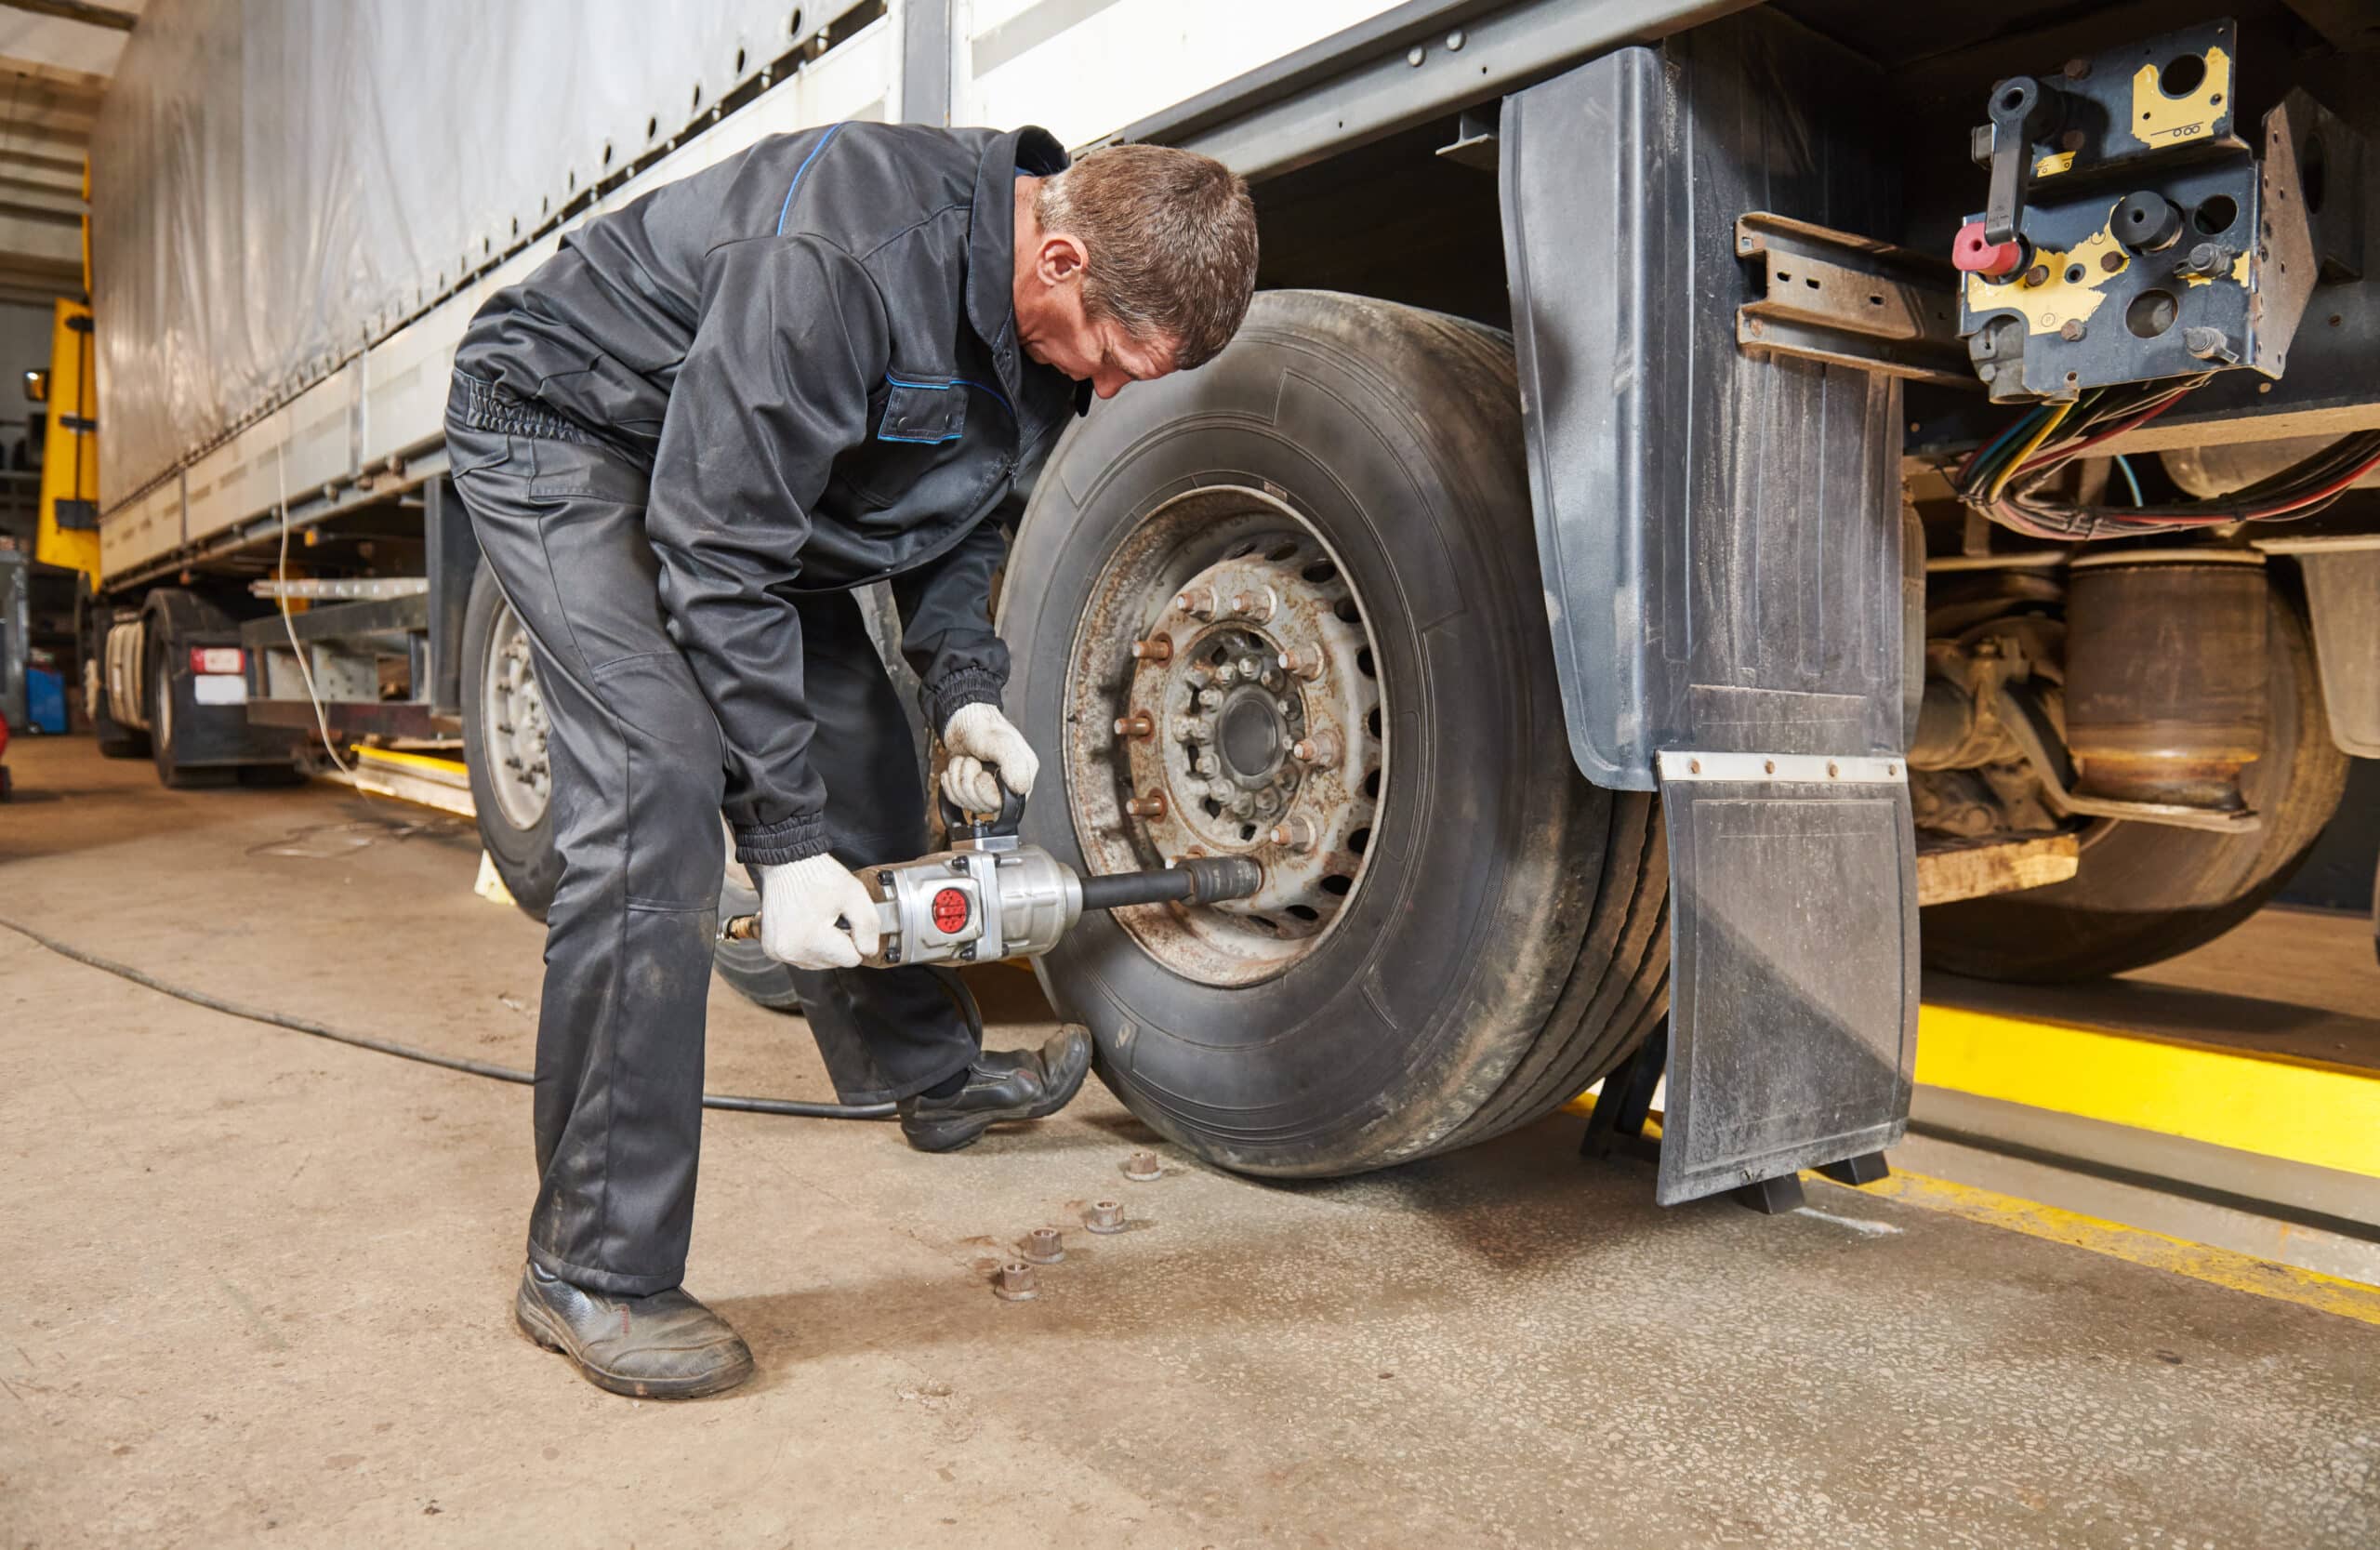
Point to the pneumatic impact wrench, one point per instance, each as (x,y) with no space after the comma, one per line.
(992,896)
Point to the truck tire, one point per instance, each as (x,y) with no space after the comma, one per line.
(171,618)
(1463,933)
(93,621)
(504,747)
(2149,891)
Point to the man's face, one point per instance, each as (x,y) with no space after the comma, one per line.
(1055,328)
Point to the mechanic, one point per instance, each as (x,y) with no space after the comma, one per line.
(835,359)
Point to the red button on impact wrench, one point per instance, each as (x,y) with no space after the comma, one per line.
(949,910)
(1971,252)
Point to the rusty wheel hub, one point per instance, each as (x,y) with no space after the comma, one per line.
(1226,702)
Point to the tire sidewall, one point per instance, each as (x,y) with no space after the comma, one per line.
(525,858)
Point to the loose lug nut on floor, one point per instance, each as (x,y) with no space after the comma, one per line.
(1141,1167)
(1015,1283)
(1043,1246)
(1105,1216)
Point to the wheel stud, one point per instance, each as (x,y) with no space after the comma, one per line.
(1255,605)
(1136,725)
(1294,832)
(1150,806)
(1157,648)
(1304,662)
(1198,601)
(1321,751)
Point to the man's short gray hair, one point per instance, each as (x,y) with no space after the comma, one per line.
(1172,241)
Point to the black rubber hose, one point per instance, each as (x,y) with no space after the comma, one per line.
(791,1108)
(1197,878)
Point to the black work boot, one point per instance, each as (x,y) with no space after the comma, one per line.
(665,1346)
(1001,1084)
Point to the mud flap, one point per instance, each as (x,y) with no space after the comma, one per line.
(1719,534)
(1793,969)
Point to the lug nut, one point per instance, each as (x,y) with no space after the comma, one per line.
(1227,672)
(1196,601)
(2070,330)
(1295,832)
(1206,764)
(1138,725)
(1141,1167)
(1321,751)
(1256,606)
(1304,662)
(1192,729)
(1015,1283)
(1150,806)
(1105,1216)
(1210,699)
(1157,648)
(1043,1246)
(1250,669)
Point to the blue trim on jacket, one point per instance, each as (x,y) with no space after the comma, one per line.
(795,186)
(998,397)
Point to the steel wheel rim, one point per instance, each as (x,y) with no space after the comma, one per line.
(1288,768)
(513,728)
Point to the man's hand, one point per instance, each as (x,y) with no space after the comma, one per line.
(981,739)
(800,901)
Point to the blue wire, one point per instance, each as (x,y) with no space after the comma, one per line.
(2123,466)
(1983,460)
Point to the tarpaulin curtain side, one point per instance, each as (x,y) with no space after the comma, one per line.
(276,183)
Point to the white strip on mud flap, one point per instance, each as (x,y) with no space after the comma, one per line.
(1801,769)
(219,688)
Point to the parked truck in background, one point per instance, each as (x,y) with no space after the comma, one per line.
(1699,482)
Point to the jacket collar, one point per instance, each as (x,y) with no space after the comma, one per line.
(991,246)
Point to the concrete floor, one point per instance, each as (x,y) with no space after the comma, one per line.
(258,1292)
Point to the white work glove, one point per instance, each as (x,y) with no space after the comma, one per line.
(979,737)
(798,903)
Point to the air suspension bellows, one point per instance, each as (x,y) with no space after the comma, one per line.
(2165,675)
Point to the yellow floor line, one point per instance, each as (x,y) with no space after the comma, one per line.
(2273,1105)
(2135,1245)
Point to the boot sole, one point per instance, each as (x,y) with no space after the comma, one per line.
(540,1330)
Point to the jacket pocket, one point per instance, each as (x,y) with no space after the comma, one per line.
(922,412)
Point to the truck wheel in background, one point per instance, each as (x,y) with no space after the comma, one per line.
(1330,526)
(2145,893)
(504,747)
(170,619)
(93,620)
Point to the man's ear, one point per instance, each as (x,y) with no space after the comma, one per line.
(1062,259)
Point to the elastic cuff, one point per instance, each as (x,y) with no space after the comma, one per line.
(963,687)
(797,839)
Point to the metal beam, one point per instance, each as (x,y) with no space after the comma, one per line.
(40,163)
(77,10)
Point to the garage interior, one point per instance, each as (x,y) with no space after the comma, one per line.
(268,998)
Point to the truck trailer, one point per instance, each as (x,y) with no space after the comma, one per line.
(1716,505)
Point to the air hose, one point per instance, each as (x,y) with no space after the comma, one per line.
(792,1109)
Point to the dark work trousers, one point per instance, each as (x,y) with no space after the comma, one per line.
(638,776)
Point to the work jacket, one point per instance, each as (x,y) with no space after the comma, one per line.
(813,346)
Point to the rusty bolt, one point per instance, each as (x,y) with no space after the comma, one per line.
(2204,343)
(1043,1246)
(1321,751)
(1199,601)
(1015,1283)
(1210,699)
(1150,806)
(2070,330)
(2112,260)
(1157,648)
(1141,1167)
(1250,669)
(1137,724)
(1256,606)
(2037,275)
(1207,765)
(1105,1216)
(1295,832)
(2076,69)
(1192,729)
(1304,662)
